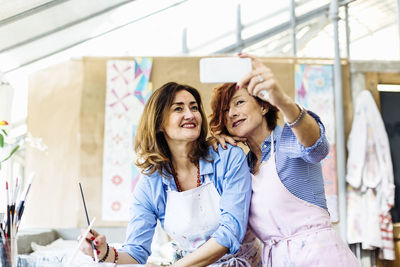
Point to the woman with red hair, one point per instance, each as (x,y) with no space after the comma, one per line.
(288,209)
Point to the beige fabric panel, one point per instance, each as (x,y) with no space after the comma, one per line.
(54,115)
(66,109)
(92,136)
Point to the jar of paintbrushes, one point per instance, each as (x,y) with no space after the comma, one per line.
(10,222)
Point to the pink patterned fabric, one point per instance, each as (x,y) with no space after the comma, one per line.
(295,233)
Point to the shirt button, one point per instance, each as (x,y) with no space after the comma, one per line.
(265,146)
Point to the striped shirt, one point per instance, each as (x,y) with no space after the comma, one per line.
(298,167)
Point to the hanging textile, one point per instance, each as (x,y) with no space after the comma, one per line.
(128,88)
(370,181)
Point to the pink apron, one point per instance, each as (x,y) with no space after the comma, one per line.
(295,233)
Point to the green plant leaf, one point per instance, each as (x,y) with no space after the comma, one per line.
(4,132)
(1,140)
(11,153)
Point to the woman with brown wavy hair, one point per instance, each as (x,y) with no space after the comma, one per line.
(288,209)
(201,197)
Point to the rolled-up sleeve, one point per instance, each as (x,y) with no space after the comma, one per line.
(235,198)
(142,223)
(294,149)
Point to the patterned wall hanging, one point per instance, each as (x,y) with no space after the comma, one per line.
(314,90)
(128,89)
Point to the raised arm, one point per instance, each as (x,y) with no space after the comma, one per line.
(262,80)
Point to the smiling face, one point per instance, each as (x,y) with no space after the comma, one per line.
(244,115)
(183,121)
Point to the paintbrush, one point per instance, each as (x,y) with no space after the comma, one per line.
(87,219)
(21,205)
(81,241)
(8,223)
(14,201)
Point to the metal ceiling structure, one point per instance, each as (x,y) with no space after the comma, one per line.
(36,29)
(50,27)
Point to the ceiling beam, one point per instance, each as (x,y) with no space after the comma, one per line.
(30,12)
(63,27)
(90,38)
(280,28)
(315,28)
(244,26)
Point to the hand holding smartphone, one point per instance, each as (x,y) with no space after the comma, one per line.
(223,69)
(227,70)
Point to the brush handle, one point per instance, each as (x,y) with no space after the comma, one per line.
(84,204)
(8,223)
(72,258)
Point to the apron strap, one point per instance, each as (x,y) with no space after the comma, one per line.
(274,242)
(272,145)
(236,262)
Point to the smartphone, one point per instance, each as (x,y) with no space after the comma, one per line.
(223,69)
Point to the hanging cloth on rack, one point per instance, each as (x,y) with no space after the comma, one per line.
(370,180)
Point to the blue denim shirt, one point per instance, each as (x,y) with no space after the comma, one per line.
(229,172)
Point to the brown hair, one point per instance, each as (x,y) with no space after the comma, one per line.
(222,95)
(150,144)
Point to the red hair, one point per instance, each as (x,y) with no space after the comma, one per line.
(222,95)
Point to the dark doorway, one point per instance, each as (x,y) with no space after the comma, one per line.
(390,109)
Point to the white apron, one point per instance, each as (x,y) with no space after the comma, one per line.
(192,216)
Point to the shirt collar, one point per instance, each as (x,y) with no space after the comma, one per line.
(265,144)
(267,141)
